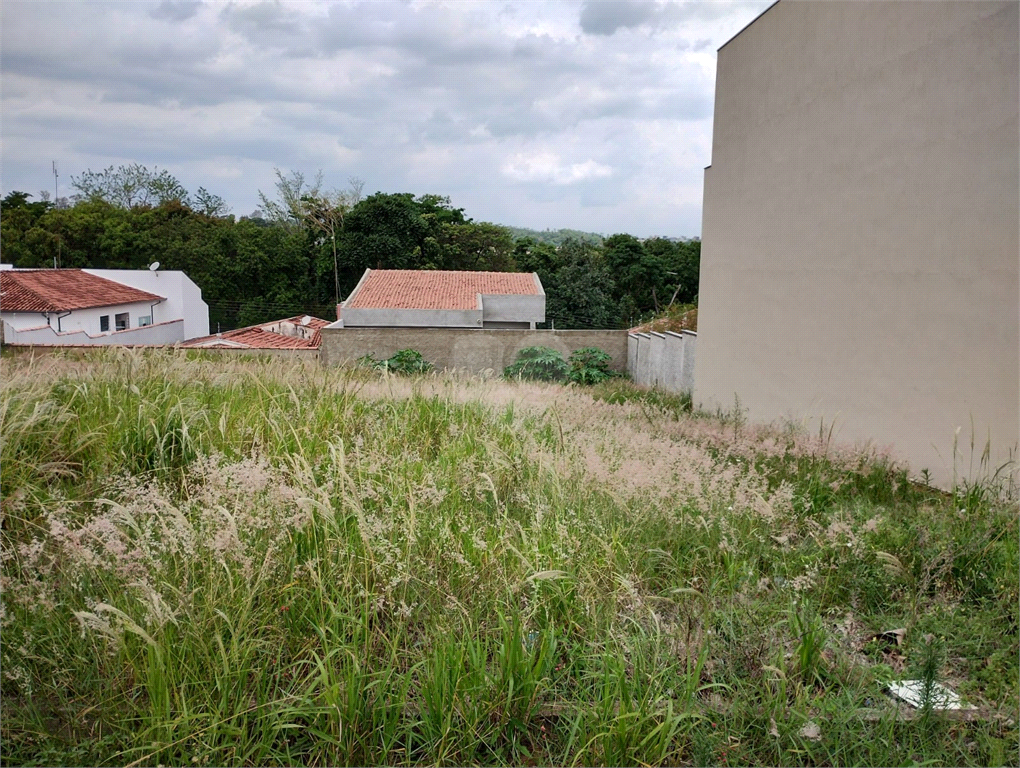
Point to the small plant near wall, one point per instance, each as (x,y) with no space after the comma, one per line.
(539,363)
(406,362)
(589,365)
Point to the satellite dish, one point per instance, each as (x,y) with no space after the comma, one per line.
(154,266)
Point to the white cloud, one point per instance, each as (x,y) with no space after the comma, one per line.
(547,167)
(511,108)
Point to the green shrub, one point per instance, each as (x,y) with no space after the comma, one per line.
(541,363)
(406,362)
(589,365)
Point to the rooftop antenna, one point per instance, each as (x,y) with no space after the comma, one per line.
(56,259)
(153,267)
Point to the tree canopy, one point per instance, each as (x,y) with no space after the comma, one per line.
(311,245)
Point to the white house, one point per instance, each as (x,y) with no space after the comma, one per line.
(64,307)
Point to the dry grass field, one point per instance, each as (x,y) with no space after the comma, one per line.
(216,561)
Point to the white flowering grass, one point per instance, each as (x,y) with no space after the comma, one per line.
(242,562)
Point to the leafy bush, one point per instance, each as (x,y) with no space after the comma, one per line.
(541,363)
(406,362)
(589,365)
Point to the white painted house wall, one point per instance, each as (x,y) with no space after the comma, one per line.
(47,336)
(183,297)
(78,319)
(82,326)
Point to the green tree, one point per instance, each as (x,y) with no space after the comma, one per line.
(209,204)
(638,273)
(383,231)
(476,246)
(20,229)
(129,186)
(532,256)
(580,293)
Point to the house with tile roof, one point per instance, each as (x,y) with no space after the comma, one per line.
(88,307)
(407,298)
(300,332)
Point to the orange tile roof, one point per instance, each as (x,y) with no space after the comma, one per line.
(257,337)
(313,322)
(435,289)
(61,290)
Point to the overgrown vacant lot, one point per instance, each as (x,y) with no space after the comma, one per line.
(225,562)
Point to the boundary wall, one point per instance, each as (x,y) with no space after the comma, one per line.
(662,360)
(472,349)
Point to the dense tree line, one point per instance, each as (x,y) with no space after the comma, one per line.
(305,246)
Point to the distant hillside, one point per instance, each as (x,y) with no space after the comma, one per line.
(555,236)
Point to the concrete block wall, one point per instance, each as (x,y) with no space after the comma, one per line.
(663,360)
(473,350)
(690,348)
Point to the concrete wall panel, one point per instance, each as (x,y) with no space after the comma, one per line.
(656,358)
(690,355)
(861,219)
(524,308)
(673,362)
(644,370)
(411,318)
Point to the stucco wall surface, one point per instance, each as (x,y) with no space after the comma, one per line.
(518,309)
(460,348)
(412,318)
(860,233)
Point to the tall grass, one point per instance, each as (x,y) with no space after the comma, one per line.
(262,562)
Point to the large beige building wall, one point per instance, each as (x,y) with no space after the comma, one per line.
(860,236)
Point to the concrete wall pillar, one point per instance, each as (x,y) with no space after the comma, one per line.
(632,347)
(690,345)
(656,357)
(673,362)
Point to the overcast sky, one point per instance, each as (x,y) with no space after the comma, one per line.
(588,115)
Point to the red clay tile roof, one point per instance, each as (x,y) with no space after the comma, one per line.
(434,289)
(313,322)
(257,337)
(60,290)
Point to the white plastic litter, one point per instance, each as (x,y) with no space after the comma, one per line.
(912,692)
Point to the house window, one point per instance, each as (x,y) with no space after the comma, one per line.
(122,320)
(144,320)
(104,323)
